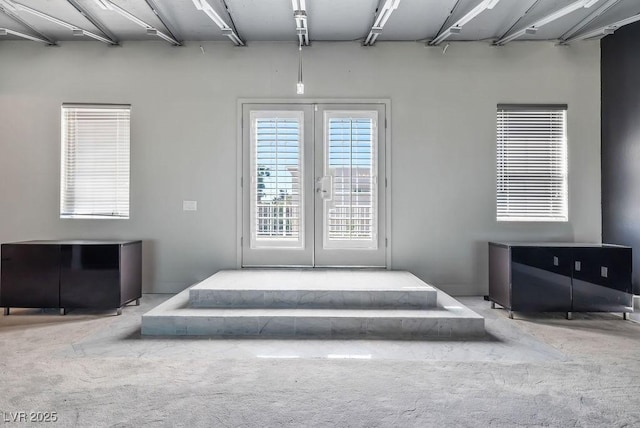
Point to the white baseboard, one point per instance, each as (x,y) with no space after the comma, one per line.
(462,290)
(635,316)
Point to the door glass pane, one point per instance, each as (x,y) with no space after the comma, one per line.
(277,159)
(350,172)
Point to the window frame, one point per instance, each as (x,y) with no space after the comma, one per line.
(329,242)
(257,242)
(556,200)
(121,207)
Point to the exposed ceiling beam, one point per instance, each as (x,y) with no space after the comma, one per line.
(515,24)
(457,26)
(603,31)
(93,20)
(153,4)
(448,18)
(76,31)
(232,24)
(533,28)
(6,31)
(26,24)
(205,7)
(300,17)
(151,30)
(381,18)
(589,19)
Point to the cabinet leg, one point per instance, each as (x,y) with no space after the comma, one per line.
(6,311)
(119,311)
(624,316)
(63,311)
(569,315)
(510,315)
(493,305)
(137,302)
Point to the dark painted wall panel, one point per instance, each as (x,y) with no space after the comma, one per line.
(621,142)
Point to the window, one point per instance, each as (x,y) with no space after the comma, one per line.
(276,162)
(532,163)
(95,161)
(351,164)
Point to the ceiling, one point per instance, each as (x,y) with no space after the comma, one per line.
(326,20)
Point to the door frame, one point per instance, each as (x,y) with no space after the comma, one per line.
(291,101)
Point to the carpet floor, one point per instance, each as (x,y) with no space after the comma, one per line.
(93,369)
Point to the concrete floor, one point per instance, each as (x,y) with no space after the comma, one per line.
(93,369)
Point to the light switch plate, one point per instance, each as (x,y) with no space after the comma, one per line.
(604,271)
(577,266)
(189,205)
(555,261)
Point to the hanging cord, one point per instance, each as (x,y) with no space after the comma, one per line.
(300,63)
(300,84)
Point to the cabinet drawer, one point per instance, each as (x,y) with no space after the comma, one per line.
(602,279)
(90,276)
(552,259)
(541,279)
(607,267)
(30,276)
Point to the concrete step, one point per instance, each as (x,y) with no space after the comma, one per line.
(312,289)
(450,319)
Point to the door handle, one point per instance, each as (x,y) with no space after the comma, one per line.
(324,186)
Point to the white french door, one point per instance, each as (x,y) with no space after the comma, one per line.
(313,189)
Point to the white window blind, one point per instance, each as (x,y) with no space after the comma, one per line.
(276,165)
(532,163)
(95,161)
(351,162)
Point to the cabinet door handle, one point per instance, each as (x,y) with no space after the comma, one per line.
(577,266)
(604,271)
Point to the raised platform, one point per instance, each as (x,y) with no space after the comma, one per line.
(313,303)
(312,289)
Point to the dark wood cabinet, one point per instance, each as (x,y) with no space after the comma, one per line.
(560,277)
(70,274)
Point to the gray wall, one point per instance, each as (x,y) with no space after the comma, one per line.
(621,141)
(184,137)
